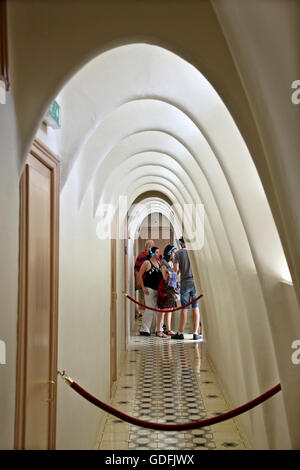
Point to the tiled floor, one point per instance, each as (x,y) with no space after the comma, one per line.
(168,381)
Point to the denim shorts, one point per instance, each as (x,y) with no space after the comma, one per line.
(187,294)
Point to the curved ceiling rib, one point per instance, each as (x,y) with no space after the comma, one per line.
(152,205)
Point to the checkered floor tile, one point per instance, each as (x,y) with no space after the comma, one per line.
(168,381)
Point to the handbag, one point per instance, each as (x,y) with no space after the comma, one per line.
(172,281)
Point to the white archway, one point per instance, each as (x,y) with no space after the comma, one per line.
(156,124)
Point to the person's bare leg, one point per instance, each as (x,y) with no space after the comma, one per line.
(168,320)
(168,316)
(196,319)
(137,297)
(159,321)
(182,321)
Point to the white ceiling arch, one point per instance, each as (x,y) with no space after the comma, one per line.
(141,98)
(137,215)
(123,186)
(149,182)
(140,115)
(120,75)
(142,72)
(142,143)
(162,142)
(144,91)
(164,162)
(161,111)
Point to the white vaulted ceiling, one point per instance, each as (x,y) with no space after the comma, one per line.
(139,114)
(138,120)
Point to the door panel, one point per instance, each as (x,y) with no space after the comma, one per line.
(127,324)
(39,308)
(37,329)
(113,315)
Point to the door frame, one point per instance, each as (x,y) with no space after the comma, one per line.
(51,161)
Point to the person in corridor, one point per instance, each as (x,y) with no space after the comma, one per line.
(166,298)
(149,278)
(187,291)
(138,263)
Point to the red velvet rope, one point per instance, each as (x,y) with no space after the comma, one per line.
(164,310)
(176,427)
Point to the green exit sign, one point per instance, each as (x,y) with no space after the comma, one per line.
(53,116)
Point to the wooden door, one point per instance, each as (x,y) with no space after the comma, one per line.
(113,314)
(38,293)
(126,317)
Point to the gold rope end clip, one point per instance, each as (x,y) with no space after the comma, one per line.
(65,377)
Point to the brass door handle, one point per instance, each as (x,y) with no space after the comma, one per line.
(49,400)
(114,295)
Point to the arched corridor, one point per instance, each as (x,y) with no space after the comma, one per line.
(161,134)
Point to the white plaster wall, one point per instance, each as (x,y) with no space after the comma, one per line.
(267,61)
(84,320)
